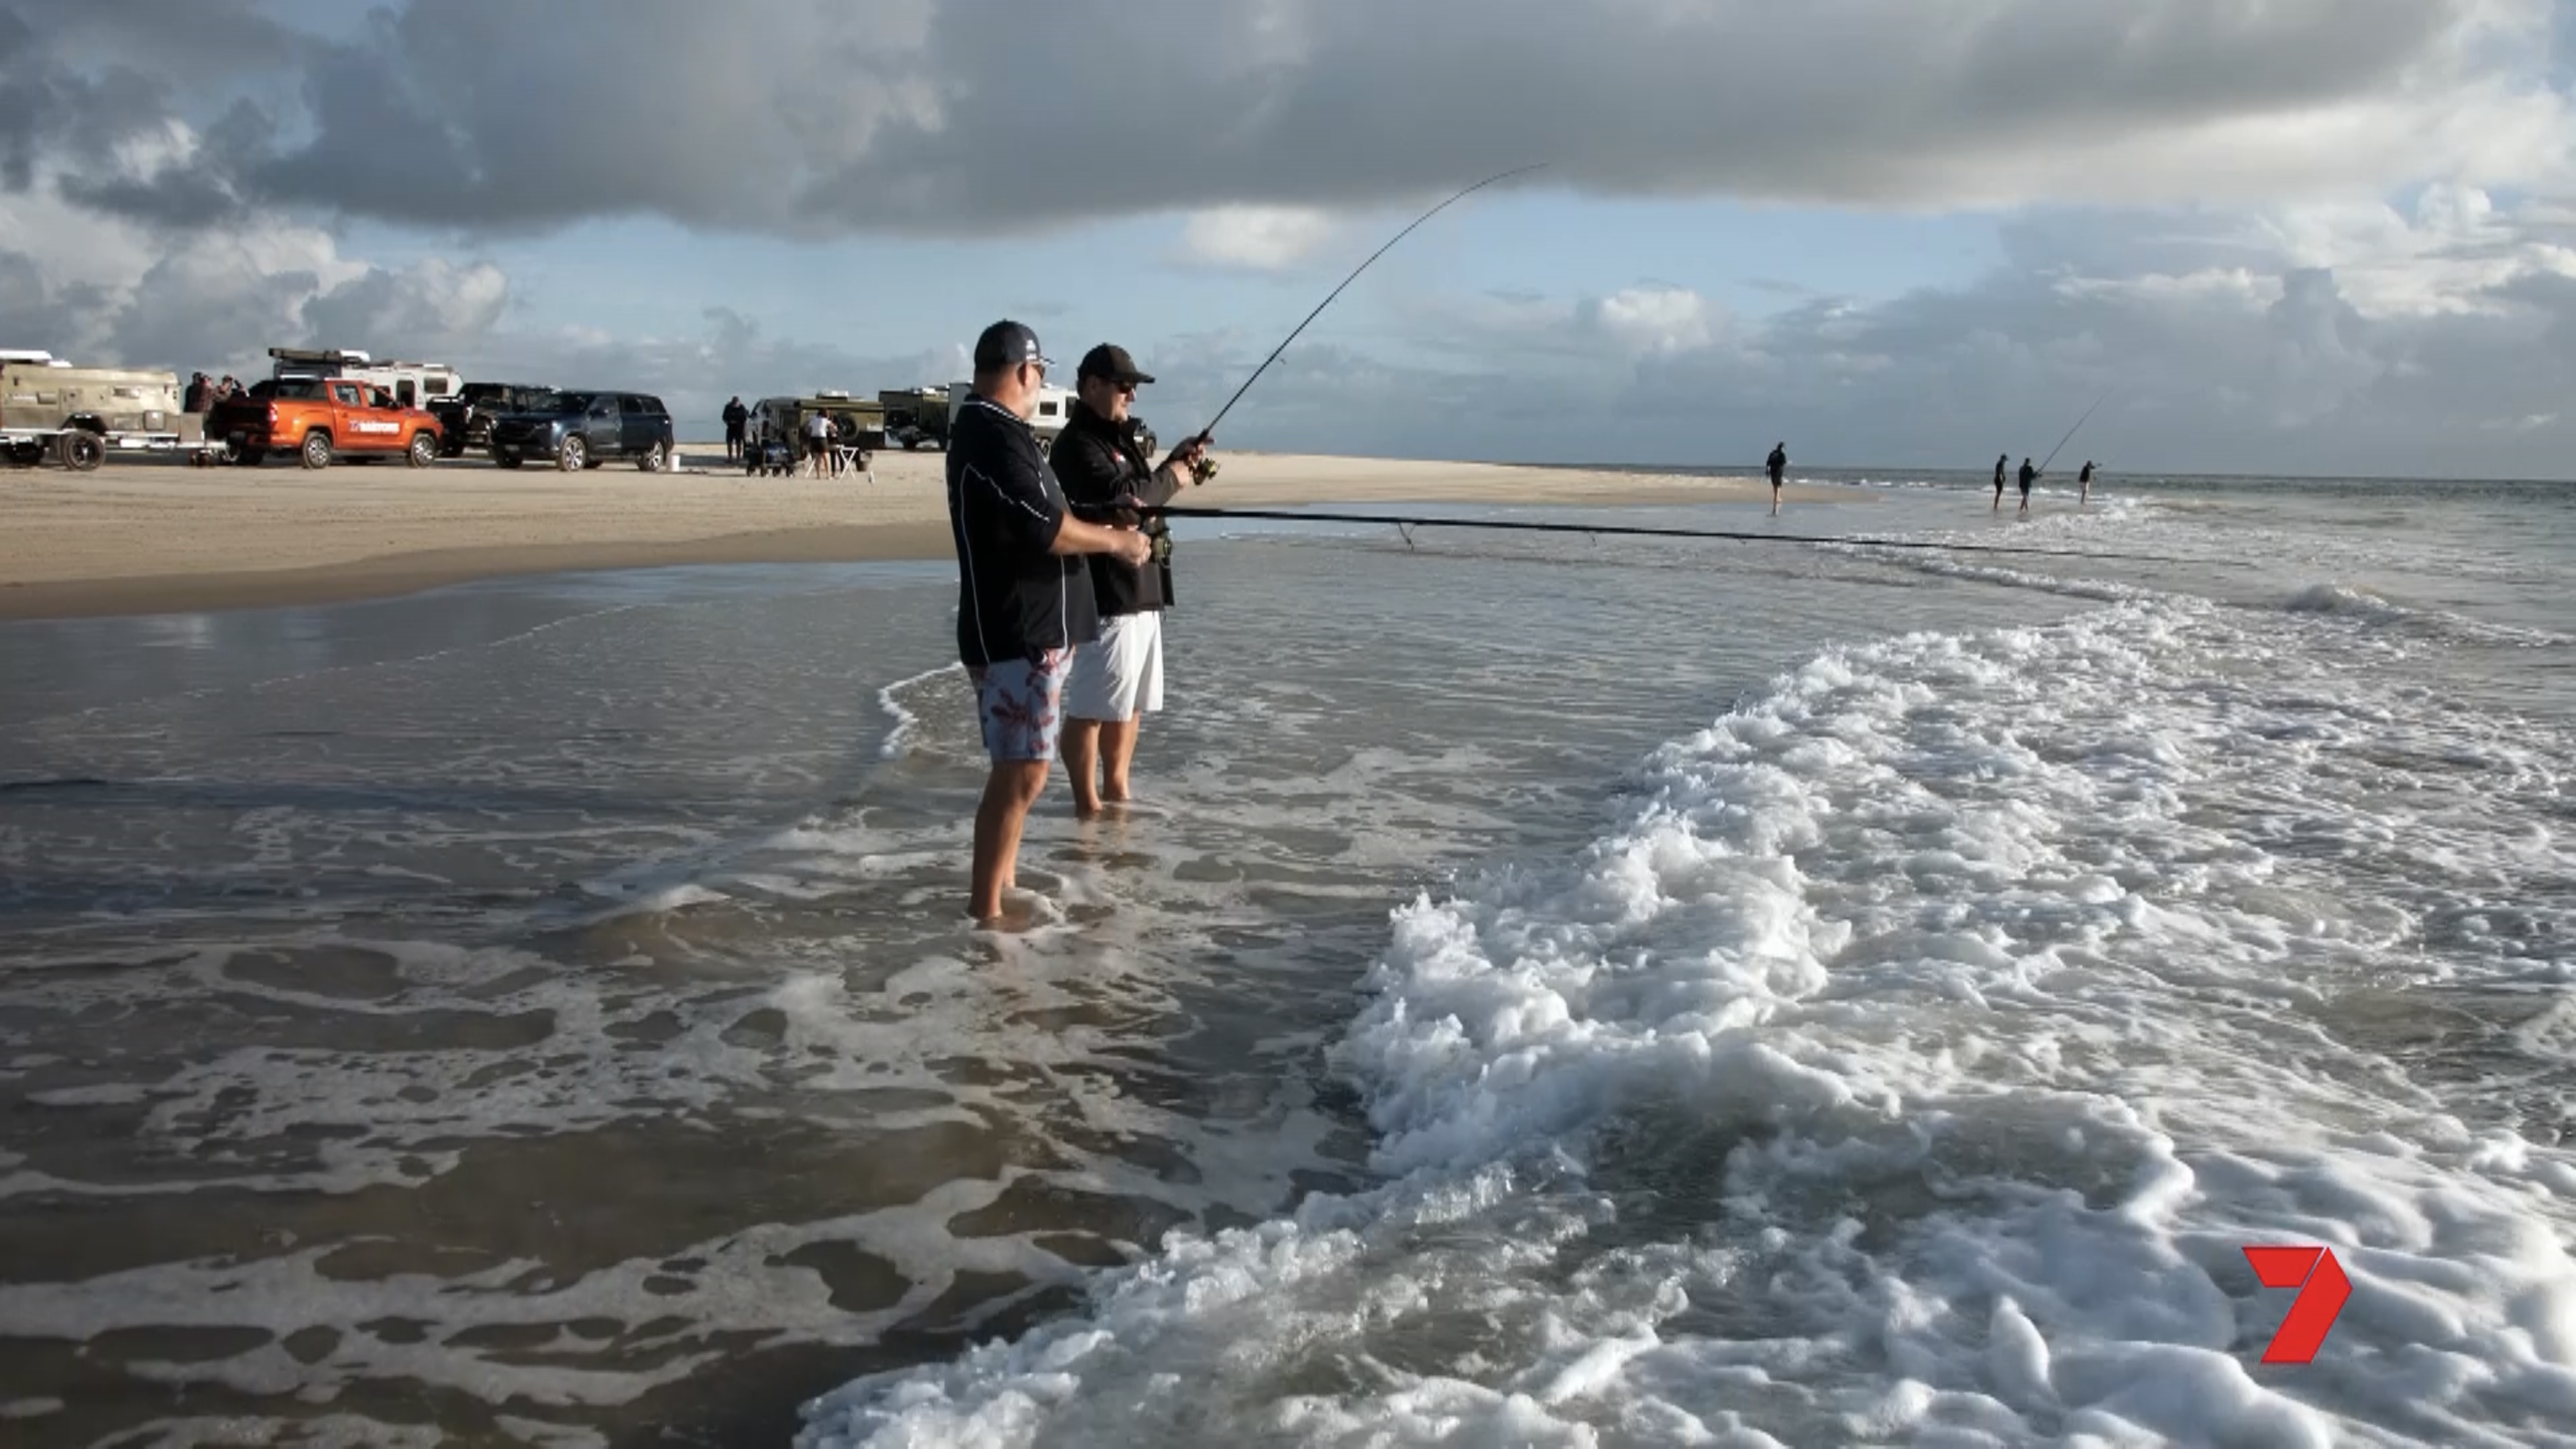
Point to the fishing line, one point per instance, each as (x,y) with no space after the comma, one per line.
(1405,523)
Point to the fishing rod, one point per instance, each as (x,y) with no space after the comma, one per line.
(2071,432)
(1207,433)
(1406,523)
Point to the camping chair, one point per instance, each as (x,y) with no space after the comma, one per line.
(850,457)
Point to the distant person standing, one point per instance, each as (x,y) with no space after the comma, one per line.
(201,394)
(818,442)
(2000,460)
(1117,678)
(2084,483)
(1778,467)
(2029,475)
(735,417)
(1024,597)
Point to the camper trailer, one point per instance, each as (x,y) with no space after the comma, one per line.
(1054,409)
(78,414)
(916,417)
(862,420)
(413,384)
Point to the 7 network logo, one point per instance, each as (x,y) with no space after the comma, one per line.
(2322,1290)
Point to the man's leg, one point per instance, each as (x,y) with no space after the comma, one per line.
(1140,691)
(1009,791)
(1117,752)
(1081,751)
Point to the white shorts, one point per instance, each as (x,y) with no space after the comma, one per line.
(1120,674)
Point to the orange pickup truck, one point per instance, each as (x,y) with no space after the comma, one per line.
(321,418)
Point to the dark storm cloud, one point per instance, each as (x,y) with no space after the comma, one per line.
(804,116)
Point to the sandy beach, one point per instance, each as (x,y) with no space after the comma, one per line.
(158,537)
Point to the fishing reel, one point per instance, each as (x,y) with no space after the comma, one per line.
(1203,468)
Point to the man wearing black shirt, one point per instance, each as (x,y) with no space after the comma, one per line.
(735,415)
(1118,677)
(1024,598)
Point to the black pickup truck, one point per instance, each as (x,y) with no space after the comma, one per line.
(465,419)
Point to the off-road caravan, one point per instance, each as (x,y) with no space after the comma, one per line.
(413,384)
(78,414)
(862,420)
(1054,409)
(916,417)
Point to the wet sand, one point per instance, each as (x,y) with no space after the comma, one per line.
(138,538)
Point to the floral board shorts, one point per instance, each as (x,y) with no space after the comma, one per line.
(1019,702)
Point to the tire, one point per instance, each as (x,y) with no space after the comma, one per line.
(83,450)
(506,460)
(250,457)
(317,449)
(655,459)
(574,455)
(423,450)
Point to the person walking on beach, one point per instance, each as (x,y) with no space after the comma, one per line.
(735,416)
(1117,679)
(2029,475)
(2084,483)
(1778,466)
(2000,460)
(1024,602)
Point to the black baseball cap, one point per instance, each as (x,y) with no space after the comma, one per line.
(1111,361)
(1008,344)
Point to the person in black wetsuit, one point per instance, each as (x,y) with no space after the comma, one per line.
(2000,460)
(1776,465)
(2084,483)
(2029,475)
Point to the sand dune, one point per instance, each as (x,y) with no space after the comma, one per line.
(146,538)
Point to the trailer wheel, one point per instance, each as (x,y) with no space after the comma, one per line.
(423,450)
(82,450)
(317,449)
(250,457)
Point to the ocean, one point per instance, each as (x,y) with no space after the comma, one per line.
(1555,990)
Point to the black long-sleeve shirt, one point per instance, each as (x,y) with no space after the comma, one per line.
(1100,467)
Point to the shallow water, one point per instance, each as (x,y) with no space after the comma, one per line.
(1559,990)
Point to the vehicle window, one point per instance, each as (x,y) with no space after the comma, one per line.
(636,407)
(1046,409)
(437,386)
(346,394)
(403,393)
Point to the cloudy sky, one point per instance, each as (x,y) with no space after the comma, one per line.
(2312,236)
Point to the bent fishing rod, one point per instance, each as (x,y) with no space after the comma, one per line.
(1208,433)
(2071,432)
(1405,523)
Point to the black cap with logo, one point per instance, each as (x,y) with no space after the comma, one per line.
(1008,344)
(1111,361)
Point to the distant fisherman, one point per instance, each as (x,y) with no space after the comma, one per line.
(2029,475)
(2084,481)
(2000,460)
(1777,465)
(1024,595)
(1118,678)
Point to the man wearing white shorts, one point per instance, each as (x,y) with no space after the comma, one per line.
(1118,677)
